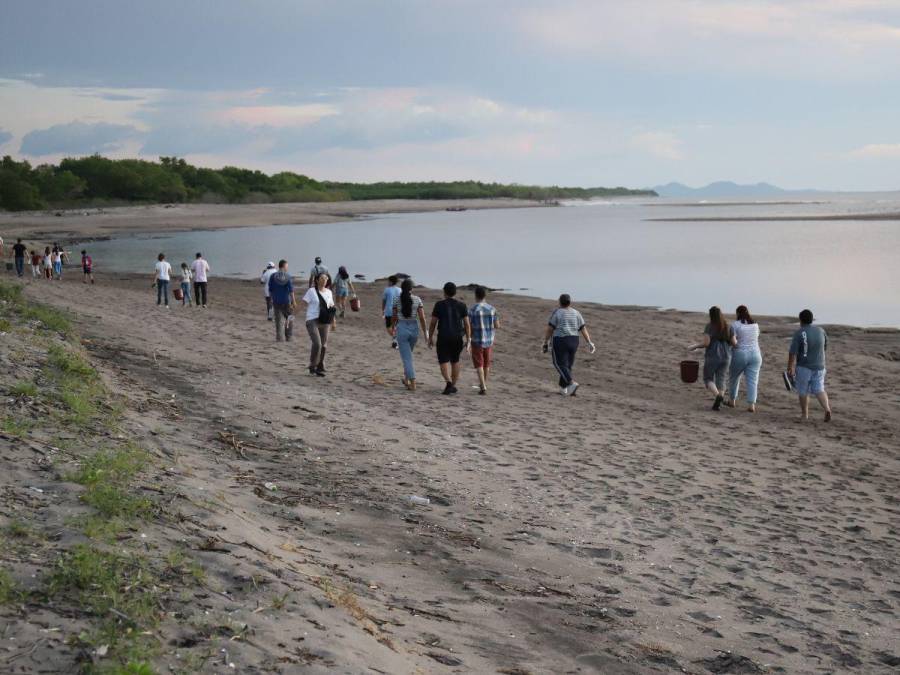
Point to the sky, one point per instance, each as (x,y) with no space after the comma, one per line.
(803,94)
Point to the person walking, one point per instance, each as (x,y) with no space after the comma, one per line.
(162,276)
(484,321)
(718,340)
(200,272)
(35,265)
(388,297)
(281,294)
(407,316)
(47,263)
(56,262)
(185,284)
(343,287)
(320,312)
(563,327)
(19,251)
(454,332)
(87,267)
(806,365)
(318,270)
(746,359)
(264,280)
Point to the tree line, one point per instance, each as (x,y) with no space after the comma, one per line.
(98,181)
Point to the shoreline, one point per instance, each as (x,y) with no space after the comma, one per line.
(101,223)
(775,219)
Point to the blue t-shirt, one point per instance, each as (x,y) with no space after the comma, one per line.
(809,345)
(390,293)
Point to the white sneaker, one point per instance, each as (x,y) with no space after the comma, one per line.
(564,391)
(572,388)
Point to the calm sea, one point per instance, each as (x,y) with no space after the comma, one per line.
(603,251)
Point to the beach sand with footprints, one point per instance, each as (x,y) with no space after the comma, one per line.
(627,530)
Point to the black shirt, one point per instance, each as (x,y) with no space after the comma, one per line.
(450,313)
(19,250)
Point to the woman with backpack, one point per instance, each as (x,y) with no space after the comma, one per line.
(320,313)
(718,339)
(408,317)
(343,289)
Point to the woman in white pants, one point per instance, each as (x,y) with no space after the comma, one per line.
(746,359)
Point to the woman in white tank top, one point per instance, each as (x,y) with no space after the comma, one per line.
(746,359)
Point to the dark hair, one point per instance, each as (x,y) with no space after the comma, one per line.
(743,314)
(449,289)
(406,298)
(161,256)
(343,273)
(480,292)
(199,255)
(565,300)
(806,317)
(318,260)
(19,240)
(393,279)
(83,252)
(282,263)
(717,323)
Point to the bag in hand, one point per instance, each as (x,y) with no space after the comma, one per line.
(354,304)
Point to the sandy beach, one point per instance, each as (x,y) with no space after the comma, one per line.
(627,530)
(94,223)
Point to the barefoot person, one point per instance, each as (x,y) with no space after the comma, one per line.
(320,312)
(87,267)
(564,327)
(162,275)
(454,332)
(343,287)
(264,280)
(388,297)
(718,339)
(408,315)
(806,364)
(484,321)
(281,291)
(746,359)
(200,271)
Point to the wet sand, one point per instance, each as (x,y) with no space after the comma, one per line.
(627,530)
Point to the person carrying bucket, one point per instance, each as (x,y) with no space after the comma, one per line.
(718,340)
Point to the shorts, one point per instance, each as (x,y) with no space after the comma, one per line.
(87,270)
(482,357)
(388,321)
(449,349)
(809,381)
(342,293)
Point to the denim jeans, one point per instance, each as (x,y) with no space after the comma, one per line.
(407,336)
(185,293)
(20,265)
(162,291)
(744,363)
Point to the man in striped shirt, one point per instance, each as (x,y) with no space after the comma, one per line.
(484,322)
(564,326)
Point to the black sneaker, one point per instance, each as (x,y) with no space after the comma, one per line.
(718,402)
(394,345)
(453,389)
(788,381)
(312,371)
(448,388)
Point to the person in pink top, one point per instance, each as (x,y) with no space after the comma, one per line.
(200,269)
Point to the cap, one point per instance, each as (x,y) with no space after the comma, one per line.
(270,264)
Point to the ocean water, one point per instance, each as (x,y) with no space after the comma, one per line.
(609,251)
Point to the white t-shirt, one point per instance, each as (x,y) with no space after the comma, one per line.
(163,270)
(264,279)
(747,335)
(312,300)
(185,275)
(200,268)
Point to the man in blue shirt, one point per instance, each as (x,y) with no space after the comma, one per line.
(391,292)
(806,364)
(281,290)
(485,322)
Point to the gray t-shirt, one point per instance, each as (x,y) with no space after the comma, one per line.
(809,345)
(566,322)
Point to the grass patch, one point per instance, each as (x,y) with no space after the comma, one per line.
(78,384)
(24,388)
(5,326)
(49,318)
(15,426)
(8,590)
(107,475)
(17,529)
(10,292)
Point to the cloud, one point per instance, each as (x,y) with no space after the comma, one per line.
(660,144)
(878,151)
(77,138)
(5,136)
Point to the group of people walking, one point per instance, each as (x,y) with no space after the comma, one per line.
(197,275)
(732,354)
(49,263)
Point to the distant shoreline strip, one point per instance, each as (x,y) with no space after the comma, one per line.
(756,219)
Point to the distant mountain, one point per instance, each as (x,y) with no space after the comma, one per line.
(721,188)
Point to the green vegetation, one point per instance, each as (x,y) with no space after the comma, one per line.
(96,180)
(49,318)
(8,590)
(24,388)
(107,476)
(78,385)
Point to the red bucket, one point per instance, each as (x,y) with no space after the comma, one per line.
(354,304)
(690,370)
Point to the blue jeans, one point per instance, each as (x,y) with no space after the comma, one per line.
(407,336)
(20,265)
(185,293)
(162,291)
(744,363)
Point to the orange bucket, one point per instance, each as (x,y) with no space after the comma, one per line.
(690,370)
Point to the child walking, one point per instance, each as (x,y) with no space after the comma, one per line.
(185,284)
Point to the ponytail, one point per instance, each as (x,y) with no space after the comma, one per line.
(406,302)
